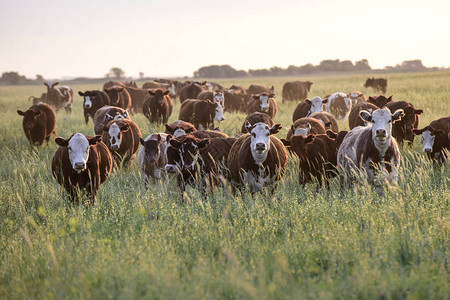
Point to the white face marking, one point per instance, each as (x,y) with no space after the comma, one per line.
(171,89)
(78,151)
(179,132)
(219,113)
(210,86)
(260,142)
(87,102)
(316,105)
(115,138)
(302,131)
(427,141)
(354,95)
(219,98)
(264,102)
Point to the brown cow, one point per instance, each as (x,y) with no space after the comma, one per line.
(123,140)
(106,114)
(39,123)
(339,137)
(236,89)
(378,84)
(179,128)
(113,83)
(61,96)
(327,120)
(307,107)
(339,105)
(158,106)
(216,96)
(305,126)
(435,138)
(81,163)
(119,96)
(373,104)
(192,89)
(296,90)
(264,103)
(254,89)
(201,112)
(138,97)
(254,118)
(152,158)
(236,101)
(403,129)
(93,101)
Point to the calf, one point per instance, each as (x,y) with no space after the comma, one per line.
(123,139)
(93,101)
(81,163)
(39,123)
(58,97)
(436,139)
(371,148)
(216,96)
(378,84)
(339,105)
(254,118)
(403,129)
(305,126)
(201,112)
(296,90)
(307,107)
(106,114)
(263,103)
(152,157)
(179,128)
(119,96)
(258,159)
(158,107)
(327,120)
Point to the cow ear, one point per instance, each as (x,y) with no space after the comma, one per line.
(286,142)
(397,115)
(166,92)
(325,101)
(80,93)
(61,142)
(389,99)
(46,84)
(271,95)
(158,137)
(293,129)
(203,143)
(142,141)
(365,115)
(308,101)
(174,143)
(418,111)
(125,114)
(248,125)
(152,93)
(328,124)
(168,128)
(310,138)
(168,138)
(331,134)
(20,112)
(56,83)
(275,129)
(95,140)
(371,100)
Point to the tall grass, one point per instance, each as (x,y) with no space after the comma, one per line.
(301,243)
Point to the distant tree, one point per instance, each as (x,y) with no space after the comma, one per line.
(116,73)
(362,65)
(141,75)
(12,78)
(39,78)
(219,71)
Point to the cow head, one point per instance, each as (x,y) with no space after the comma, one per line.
(115,132)
(219,97)
(114,95)
(380,101)
(188,149)
(216,110)
(115,114)
(29,118)
(173,156)
(272,91)
(369,82)
(298,144)
(263,101)
(179,128)
(409,120)
(381,120)
(78,146)
(260,139)
(152,148)
(301,130)
(428,136)
(158,95)
(50,85)
(316,104)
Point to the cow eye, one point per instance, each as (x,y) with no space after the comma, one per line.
(253,135)
(267,134)
(70,148)
(390,121)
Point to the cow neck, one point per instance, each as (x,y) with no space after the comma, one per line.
(379,151)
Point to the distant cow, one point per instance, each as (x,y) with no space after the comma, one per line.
(201,112)
(296,90)
(106,114)
(113,83)
(264,103)
(254,89)
(39,123)
(403,129)
(373,104)
(93,101)
(371,149)
(119,96)
(339,105)
(155,85)
(158,106)
(307,107)
(138,97)
(254,118)
(436,138)
(192,89)
(356,97)
(179,128)
(61,96)
(378,84)
(216,96)
(258,159)
(327,120)
(152,158)
(81,163)
(305,126)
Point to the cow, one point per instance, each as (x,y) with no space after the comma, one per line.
(123,140)
(255,89)
(307,107)
(81,163)
(305,126)
(113,83)
(356,97)
(155,85)
(436,139)
(338,136)
(236,101)
(61,96)
(264,103)
(138,97)
(119,96)
(201,112)
(373,104)
(369,149)
(339,105)
(378,84)
(317,157)
(39,123)
(254,118)
(93,101)
(296,90)
(403,129)
(192,89)
(158,106)
(152,157)
(179,128)
(239,89)
(380,101)
(327,120)
(216,96)
(106,114)
(257,159)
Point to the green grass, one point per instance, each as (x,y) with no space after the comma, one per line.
(300,244)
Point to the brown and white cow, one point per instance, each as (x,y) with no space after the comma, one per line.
(179,128)
(305,126)
(403,129)
(327,120)
(356,97)
(201,112)
(378,84)
(123,140)
(436,138)
(152,157)
(263,103)
(93,101)
(296,90)
(61,96)
(254,89)
(39,123)
(258,159)
(339,105)
(307,107)
(158,106)
(216,96)
(254,118)
(119,96)
(373,104)
(106,114)
(369,149)
(81,163)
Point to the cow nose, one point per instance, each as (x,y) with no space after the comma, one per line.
(87,106)
(114,147)
(171,168)
(260,146)
(427,150)
(381,132)
(79,165)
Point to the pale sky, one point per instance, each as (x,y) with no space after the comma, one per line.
(59,38)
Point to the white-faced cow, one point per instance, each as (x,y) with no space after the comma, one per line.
(106,114)
(93,101)
(152,157)
(264,103)
(305,126)
(179,128)
(436,138)
(339,105)
(61,96)
(201,112)
(307,107)
(39,123)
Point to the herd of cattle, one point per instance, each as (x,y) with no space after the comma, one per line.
(254,159)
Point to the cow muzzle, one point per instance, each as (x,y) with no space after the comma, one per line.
(115,147)
(427,150)
(171,168)
(79,166)
(260,147)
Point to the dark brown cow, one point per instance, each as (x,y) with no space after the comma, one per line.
(307,107)
(378,84)
(296,90)
(201,112)
(339,137)
(264,103)
(152,158)
(373,104)
(138,97)
(327,120)
(339,105)
(158,107)
(39,123)
(119,96)
(258,159)
(123,140)
(58,97)
(403,129)
(106,114)
(317,157)
(93,101)
(81,163)
(113,83)
(154,85)
(380,101)
(179,128)
(192,89)
(254,118)
(236,101)
(305,126)
(254,89)
(435,138)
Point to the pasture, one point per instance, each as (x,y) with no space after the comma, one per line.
(298,244)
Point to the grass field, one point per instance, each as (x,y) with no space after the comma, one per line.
(300,244)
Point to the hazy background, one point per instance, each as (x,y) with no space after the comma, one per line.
(174,38)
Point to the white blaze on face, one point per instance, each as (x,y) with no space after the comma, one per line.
(302,131)
(316,105)
(179,132)
(260,142)
(115,136)
(264,102)
(219,98)
(87,102)
(427,141)
(78,152)
(354,95)
(219,113)
(210,86)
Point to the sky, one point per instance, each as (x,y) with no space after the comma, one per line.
(86,38)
